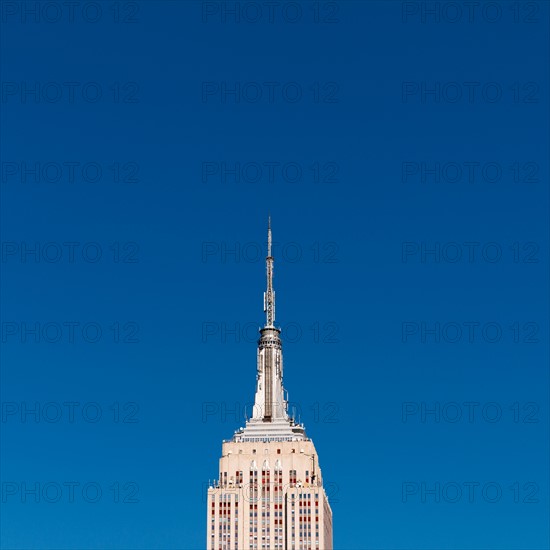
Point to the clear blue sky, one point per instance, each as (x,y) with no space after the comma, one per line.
(335,122)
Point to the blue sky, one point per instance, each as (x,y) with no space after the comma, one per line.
(403,156)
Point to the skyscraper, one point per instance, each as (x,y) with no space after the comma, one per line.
(269,494)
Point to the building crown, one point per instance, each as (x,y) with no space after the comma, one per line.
(270,419)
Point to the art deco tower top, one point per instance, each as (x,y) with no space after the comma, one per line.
(270,419)
(269,494)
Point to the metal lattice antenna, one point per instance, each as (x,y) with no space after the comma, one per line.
(268,236)
(269,294)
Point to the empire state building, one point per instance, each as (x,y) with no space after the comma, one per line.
(270,493)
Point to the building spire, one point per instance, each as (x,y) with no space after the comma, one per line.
(270,419)
(269,235)
(269,294)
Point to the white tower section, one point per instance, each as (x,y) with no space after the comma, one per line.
(270,419)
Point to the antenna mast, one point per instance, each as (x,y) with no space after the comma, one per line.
(269,294)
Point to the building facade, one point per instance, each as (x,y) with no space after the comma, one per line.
(269,494)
